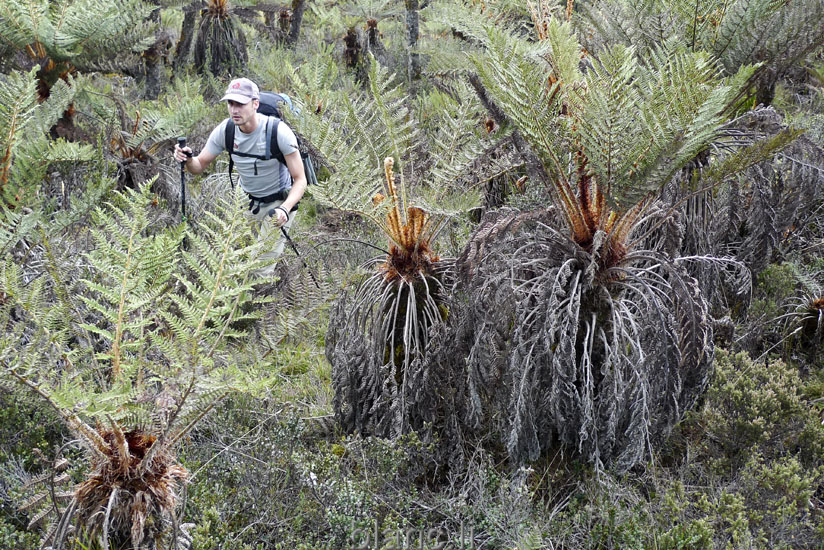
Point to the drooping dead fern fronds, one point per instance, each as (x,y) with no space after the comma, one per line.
(769,209)
(600,352)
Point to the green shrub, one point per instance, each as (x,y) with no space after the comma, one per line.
(13,538)
(757,405)
(752,462)
(693,535)
(26,425)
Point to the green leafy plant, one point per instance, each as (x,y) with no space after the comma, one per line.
(25,147)
(137,359)
(59,39)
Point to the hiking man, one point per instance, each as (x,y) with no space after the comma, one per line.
(272,186)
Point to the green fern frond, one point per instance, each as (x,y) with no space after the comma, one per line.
(355,132)
(69,30)
(25,147)
(739,23)
(21,21)
(220,258)
(14,227)
(515,73)
(119,289)
(636,124)
(66,151)
(772,33)
(311,80)
(161,121)
(460,146)
(49,111)
(18,101)
(745,157)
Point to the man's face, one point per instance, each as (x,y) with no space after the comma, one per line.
(242,113)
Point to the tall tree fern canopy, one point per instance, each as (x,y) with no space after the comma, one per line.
(638,122)
(62,30)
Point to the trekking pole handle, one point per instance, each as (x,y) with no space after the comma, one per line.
(272,212)
(181,143)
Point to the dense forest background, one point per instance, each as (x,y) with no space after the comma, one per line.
(560,283)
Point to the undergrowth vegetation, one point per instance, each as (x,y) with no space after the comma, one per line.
(560,283)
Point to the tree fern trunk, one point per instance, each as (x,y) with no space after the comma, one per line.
(298,7)
(152,57)
(412,32)
(353,54)
(221,46)
(374,44)
(187,32)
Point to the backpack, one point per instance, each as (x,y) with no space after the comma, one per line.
(270,106)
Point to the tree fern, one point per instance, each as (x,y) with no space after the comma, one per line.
(379,334)
(379,331)
(24,141)
(579,324)
(160,323)
(59,36)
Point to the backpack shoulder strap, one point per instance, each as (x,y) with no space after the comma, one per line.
(272,145)
(229,145)
(271,128)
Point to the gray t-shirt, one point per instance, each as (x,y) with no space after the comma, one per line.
(257,177)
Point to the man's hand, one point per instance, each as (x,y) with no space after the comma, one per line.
(181,155)
(279,215)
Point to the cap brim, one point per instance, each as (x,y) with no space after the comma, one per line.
(237,97)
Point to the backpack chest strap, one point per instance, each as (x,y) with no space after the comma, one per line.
(271,149)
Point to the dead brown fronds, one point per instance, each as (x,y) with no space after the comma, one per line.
(123,499)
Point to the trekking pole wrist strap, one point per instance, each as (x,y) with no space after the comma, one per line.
(282,209)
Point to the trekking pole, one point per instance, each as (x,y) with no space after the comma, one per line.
(295,248)
(181,142)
